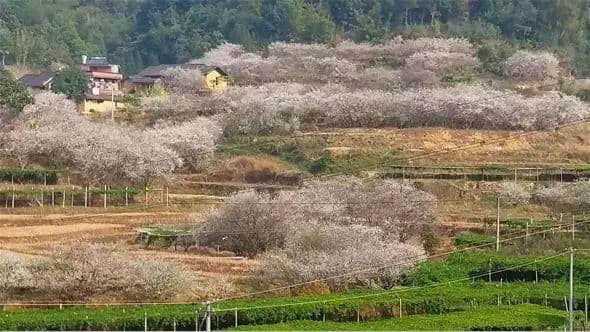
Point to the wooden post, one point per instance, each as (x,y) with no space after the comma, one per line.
(52,197)
(45,179)
(573,227)
(86,197)
(498,225)
(526,232)
(146,196)
(162,196)
(42,198)
(400,308)
(73,191)
(63,199)
(167,197)
(515,170)
(358,315)
(104,198)
(585,309)
(236,317)
(126,196)
(13,189)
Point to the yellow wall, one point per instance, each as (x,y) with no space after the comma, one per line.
(215,82)
(95,106)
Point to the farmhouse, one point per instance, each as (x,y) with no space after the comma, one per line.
(214,78)
(37,82)
(105,94)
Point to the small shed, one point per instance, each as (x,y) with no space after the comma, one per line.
(37,81)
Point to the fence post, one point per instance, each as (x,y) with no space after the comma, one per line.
(546,300)
(400,307)
(145,328)
(236,317)
(104,198)
(73,193)
(42,198)
(63,199)
(526,232)
(167,197)
(573,227)
(585,309)
(52,197)
(126,196)
(358,315)
(86,197)
(146,196)
(498,224)
(13,189)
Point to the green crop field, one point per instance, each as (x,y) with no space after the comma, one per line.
(520,317)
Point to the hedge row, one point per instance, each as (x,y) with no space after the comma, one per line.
(503,318)
(336,307)
(32,176)
(471,240)
(477,265)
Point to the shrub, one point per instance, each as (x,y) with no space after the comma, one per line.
(472,240)
(318,251)
(443,62)
(532,66)
(399,210)
(183,81)
(83,271)
(514,193)
(193,141)
(566,196)
(28,176)
(53,133)
(72,82)
(14,95)
(493,55)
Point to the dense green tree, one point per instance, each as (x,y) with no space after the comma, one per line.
(137,33)
(72,82)
(13,94)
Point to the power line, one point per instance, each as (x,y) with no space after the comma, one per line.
(406,260)
(397,290)
(409,260)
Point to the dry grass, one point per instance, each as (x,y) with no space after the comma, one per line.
(48,230)
(565,146)
(247,169)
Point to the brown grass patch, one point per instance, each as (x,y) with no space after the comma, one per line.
(253,170)
(50,230)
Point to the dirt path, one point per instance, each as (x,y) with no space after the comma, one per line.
(66,217)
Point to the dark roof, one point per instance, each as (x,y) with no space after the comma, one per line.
(143,80)
(158,71)
(97,61)
(36,81)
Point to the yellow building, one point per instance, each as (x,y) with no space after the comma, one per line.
(215,80)
(93,104)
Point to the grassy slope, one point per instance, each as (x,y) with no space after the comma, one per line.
(521,317)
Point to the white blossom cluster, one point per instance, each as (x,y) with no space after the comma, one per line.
(532,66)
(325,229)
(53,132)
(83,271)
(279,108)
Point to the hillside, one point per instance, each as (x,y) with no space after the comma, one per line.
(378,171)
(139,33)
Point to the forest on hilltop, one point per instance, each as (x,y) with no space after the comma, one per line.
(138,33)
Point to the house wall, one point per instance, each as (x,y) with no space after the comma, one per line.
(98,106)
(215,82)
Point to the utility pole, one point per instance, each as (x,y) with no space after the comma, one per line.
(498,225)
(208,316)
(571,304)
